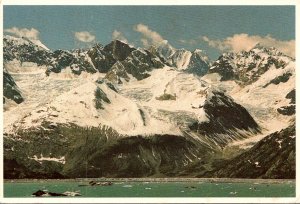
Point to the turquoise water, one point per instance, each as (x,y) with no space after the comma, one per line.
(155,189)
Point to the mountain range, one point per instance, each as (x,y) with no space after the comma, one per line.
(121,111)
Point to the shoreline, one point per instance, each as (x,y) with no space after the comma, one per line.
(162,180)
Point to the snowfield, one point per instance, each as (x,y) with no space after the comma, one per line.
(166,102)
(64,98)
(138,108)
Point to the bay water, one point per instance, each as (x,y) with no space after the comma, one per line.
(154,189)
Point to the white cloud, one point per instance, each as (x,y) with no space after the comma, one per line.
(117,35)
(189,42)
(145,42)
(32,34)
(149,36)
(243,41)
(84,36)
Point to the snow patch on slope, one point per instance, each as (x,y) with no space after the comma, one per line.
(40,44)
(41,158)
(260,100)
(181,58)
(16,67)
(188,90)
(46,102)
(26,41)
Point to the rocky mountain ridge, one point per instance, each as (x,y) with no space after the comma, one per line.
(246,67)
(120,111)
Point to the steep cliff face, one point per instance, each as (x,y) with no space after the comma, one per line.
(273,157)
(196,62)
(104,58)
(136,65)
(225,117)
(10,88)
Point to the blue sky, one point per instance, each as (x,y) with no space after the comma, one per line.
(212,28)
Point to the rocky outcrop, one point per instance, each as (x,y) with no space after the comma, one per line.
(246,67)
(199,63)
(273,157)
(287,110)
(100,97)
(290,109)
(104,58)
(225,118)
(10,88)
(195,62)
(24,50)
(76,60)
(137,65)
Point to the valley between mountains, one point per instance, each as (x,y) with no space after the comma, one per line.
(119,111)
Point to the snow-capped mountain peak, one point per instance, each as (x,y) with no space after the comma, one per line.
(165,49)
(26,41)
(40,44)
(202,54)
(247,66)
(259,48)
(180,59)
(127,108)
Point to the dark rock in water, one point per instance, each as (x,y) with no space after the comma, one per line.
(191,187)
(93,183)
(56,194)
(81,185)
(41,193)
